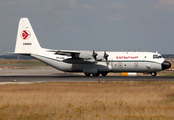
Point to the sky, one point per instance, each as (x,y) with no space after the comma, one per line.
(111,25)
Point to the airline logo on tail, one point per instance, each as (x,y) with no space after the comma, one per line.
(25,34)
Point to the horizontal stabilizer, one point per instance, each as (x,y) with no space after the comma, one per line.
(12,53)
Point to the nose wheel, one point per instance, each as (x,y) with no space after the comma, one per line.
(153,74)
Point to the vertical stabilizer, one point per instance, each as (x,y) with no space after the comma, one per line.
(26,42)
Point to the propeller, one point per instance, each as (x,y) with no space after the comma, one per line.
(106,57)
(94,55)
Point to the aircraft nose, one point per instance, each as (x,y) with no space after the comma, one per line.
(165,65)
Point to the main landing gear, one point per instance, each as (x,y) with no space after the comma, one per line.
(87,74)
(153,74)
(96,74)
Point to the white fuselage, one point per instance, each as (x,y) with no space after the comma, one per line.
(117,62)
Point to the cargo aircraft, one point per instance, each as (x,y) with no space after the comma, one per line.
(88,62)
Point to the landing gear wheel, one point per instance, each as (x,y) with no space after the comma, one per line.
(104,73)
(95,74)
(87,74)
(153,74)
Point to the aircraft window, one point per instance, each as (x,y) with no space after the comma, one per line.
(155,56)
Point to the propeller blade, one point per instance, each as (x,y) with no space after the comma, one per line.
(94,54)
(106,57)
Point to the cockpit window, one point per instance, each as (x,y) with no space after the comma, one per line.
(156,57)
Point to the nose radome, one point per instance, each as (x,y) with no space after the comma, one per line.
(165,65)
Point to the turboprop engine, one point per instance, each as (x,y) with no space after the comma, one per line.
(93,56)
(90,55)
(85,55)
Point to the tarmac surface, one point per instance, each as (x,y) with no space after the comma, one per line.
(51,75)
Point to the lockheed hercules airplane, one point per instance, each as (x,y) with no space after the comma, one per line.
(88,62)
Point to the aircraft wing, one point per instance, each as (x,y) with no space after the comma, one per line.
(66,52)
(77,58)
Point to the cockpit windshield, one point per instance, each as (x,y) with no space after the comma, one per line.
(157,56)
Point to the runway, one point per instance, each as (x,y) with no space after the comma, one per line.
(51,75)
(81,78)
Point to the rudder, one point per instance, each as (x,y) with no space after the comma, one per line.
(26,42)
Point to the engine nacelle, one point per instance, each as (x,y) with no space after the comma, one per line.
(100,56)
(85,55)
(88,55)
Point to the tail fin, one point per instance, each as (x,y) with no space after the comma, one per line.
(26,42)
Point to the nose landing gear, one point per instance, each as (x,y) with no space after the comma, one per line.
(153,74)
